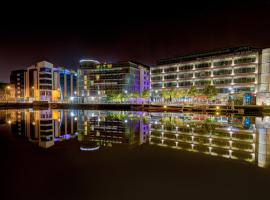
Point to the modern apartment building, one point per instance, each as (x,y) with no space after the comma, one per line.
(234,70)
(39,82)
(43,82)
(98,79)
(18,79)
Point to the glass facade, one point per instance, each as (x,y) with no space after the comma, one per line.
(101,79)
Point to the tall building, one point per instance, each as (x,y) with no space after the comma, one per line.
(65,81)
(39,82)
(243,70)
(98,79)
(18,79)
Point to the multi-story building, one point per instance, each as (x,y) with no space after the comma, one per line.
(39,82)
(98,79)
(18,79)
(43,82)
(234,70)
(64,81)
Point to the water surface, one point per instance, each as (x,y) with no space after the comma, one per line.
(78,154)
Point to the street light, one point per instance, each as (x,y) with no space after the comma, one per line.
(7,88)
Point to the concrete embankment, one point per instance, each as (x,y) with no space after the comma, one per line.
(216,109)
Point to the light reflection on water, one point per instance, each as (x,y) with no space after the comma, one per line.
(232,137)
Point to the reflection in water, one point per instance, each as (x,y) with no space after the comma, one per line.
(233,137)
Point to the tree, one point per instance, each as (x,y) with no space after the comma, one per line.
(179,93)
(192,92)
(146,94)
(210,91)
(165,94)
(134,95)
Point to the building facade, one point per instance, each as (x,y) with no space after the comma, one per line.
(99,79)
(18,79)
(235,70)
(64,81)
(43,82)
(39,82)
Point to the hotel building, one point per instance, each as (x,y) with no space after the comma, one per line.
(97,79)
(234,70)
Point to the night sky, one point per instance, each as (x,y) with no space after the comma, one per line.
(64,33)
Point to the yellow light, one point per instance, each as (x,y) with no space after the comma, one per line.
(55,115)
(165,106)
(217,113)
(8,87)
(9,122)
(34,123)
(217,107)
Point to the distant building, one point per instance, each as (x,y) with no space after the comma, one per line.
(7,92)
(99,79)
(18,79)
(242,70)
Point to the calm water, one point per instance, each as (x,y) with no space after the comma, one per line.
(86,154)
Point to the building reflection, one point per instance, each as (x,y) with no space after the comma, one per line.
(44,127)
(100,128)
(233,137)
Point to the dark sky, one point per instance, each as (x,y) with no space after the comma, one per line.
(64,33)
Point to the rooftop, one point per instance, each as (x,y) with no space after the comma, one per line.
(206,54)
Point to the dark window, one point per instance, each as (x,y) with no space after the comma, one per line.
(222,63)
(45,69)
(245,60)
(202,65)
(186,67)
(45,81)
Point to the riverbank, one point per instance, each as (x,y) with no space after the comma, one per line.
(216,109)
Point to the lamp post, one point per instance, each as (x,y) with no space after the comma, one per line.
(7,88)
